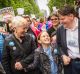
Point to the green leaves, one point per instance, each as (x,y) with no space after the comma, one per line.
(29,6)
(59,3)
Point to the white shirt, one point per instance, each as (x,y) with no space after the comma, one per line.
(72,41)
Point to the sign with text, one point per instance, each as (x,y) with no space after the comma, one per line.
(6,12)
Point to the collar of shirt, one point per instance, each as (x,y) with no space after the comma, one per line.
(46,50)
(21,40)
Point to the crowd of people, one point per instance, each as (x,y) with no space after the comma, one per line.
(44,46)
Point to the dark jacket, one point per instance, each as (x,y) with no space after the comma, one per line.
(61,39)
(42,61)
(1,69)
(50,31)
(13,53)
(33,35)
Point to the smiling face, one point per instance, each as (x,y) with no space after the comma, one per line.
(44,38)
(67,15)
(66,20)
(54,20)
(19,26)
(28,21)
(21,30)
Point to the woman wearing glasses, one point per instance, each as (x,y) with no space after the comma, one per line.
(55,22)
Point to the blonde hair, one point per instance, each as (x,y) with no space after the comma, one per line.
(18,21)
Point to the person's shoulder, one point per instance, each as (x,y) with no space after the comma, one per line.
(28,35)
(9,37)
(50,28)
(60,27)
(9,41)
(38,49)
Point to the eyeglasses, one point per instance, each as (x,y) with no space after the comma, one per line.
(54,19)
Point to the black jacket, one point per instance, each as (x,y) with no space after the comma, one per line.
(32,34)
(50,31)
(42,61)
(12,53)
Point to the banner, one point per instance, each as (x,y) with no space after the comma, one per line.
(20,11)
(6,12)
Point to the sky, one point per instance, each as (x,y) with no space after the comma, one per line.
(43,6)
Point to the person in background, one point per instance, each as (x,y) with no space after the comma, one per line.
(2,37)
(42,24)
(3,34)
(34,22)
(44,55)
(31,30)
(8,19)
(55,23)
(53,38)
(18,50)
(57,53)
(48,23)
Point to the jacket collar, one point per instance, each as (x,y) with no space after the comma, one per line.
(64,35)
(42,50)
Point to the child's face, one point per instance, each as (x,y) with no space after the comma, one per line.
(44,38)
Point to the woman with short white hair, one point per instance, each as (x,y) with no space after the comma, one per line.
(18,49)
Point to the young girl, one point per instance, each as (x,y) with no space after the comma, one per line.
(44,55)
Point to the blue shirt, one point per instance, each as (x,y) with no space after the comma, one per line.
(52,63)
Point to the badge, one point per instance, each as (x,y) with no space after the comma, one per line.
(55,51)
(11,43)
(14,48)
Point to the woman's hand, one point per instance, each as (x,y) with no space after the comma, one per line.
(18,66)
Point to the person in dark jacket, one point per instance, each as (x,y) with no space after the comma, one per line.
(44,56)
(18,49)
(31,30)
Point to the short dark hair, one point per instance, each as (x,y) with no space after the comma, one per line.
(56,15)
(66,10)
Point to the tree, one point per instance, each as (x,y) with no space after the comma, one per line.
(28,5)
(59,3)
(34,5)
(4,3)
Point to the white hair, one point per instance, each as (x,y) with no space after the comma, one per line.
(18,21)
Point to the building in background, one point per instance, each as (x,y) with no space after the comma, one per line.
(43,6)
